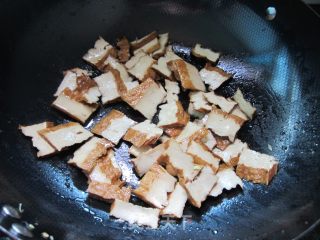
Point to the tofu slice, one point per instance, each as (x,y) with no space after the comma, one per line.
(109,192)
(256,167)
(244,105)
(223,124)
(237,112)
(145,160)
(225,104)
(202,156)
(146,97)
(194,113)
(76,110)
(161,66)
(187,74)
(163,40)
(172,114)
(214,76)
(144,133)
(172,89)
(99,53)
(65,135)
(124,49)
(209,140)
(155,186)
(109,87)
(199,102)
(106,170)
(227,179)
(150,47)
(201,186)
(139,43)
(87,156)
(176,202)
(206,53)
(44,148)
(113,126)
(137,151)
(230,155)
(135,214)
(173,131)
(142,68)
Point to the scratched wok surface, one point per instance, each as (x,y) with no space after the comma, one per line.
(275,63)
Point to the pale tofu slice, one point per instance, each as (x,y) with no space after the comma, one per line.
(65,135)
(146,97)
(256,167)
(113,126)
(134,59)
(137,151)
(163,40)
(99,53)
(187,74)
(201,186)
(237,112)
(144,133)
(206,53)
(44,148)
(172,114)
(150,47)
(108,87)
(209,140)
(135,214)
(109,192)
(172,89)
(214,76)
(155,186)
(225,104)
(223,124)
(87,156)
(230,155)
(192,112)
(227,179)
(76,110)
(203,156)
(173,131)
(142,68)
(244,105)
(199,102)
(161,65)
(139,43)
(145,160)
(176,202)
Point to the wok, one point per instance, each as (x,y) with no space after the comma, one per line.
(275,63)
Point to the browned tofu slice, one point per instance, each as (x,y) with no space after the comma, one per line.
(109,192)
(256,167)
(225,104)
(89,153)
(140,66)
(206,53)
(199,102)
(65,135)
(172,114)
(124,49)
(146,97)
(163,40)
(155,186)
(187,74)
(173,131)
(222,142)
(44,148)
(214,76)
(135,214)
(137,151)
(244,105)
(161,65)
(148,43)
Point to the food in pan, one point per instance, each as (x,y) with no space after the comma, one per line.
(185,149)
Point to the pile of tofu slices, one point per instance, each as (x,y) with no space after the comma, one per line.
(177,159)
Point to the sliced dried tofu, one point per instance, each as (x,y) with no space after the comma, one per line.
(113,126)
(256,167)
(173,131)
(76,110)
(150,47)
(88,154)
(187,74)
(195,113)
(172,89)
(146,97)
(136,44)
(155,186)
(201,186)
(163,40)
(222,142)
(162,67)
(135,214)
(137,151)
(244,105)
(65,135)
(176,202)
(223,124)
(109,87)
(145,160)
(134,59)
(142,68)
(124,49)
(144,133)
(99,53)
(214,76)
(199,102)
(209,140)
(172,114)
(225,104)
(202,155)
(206,53)
(237,112)
(230,155)
(44,148)
(227,179)
(109,192)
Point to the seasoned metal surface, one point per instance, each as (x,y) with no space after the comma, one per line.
(275,63)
